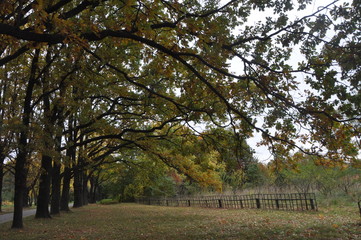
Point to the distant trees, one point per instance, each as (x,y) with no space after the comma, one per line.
(308,174)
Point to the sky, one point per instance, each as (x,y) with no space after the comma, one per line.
(261,152)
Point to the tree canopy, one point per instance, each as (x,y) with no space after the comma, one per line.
(173,57)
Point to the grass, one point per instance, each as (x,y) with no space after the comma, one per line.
(8,207)
(132,221)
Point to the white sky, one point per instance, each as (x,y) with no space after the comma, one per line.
(261,152)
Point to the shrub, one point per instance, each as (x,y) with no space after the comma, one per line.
(108,201)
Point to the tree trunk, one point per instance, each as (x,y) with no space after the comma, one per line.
(71,154)
(42,208)
(1,179)
(78,188)
(26,197)
(92,190)
(56,180)
(20,171)
(85,188)
(64,202)
(78,179)
(35,197)
(55,189)
(20,185)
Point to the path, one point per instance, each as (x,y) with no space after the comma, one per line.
(9,216)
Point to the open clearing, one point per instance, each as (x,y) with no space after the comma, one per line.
(132,221)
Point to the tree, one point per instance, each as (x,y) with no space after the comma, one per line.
(148,64)
(23,144)
(304,175)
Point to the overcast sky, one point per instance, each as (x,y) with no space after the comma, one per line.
(261,152)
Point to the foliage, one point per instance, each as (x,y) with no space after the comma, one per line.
(160,62)
(309,174)
(126,182)
(108,201)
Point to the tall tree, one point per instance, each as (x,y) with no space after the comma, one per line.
(21,158)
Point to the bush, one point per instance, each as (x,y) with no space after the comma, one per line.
(108,201)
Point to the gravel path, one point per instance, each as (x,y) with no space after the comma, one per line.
(9,216)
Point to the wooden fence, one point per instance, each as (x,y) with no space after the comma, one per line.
(290,201)
(359,206)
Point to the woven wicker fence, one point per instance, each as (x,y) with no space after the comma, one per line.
(290,201)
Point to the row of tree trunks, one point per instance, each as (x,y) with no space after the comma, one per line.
(56,170)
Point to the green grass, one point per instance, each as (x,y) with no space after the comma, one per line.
(132,221)
(108,201)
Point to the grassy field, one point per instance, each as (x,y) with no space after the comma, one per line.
(132,221)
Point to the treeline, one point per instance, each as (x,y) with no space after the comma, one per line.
(246,175)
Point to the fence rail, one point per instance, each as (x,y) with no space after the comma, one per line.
(290,201)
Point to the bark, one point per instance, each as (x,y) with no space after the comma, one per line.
(20,185)
(1,179)
(64,201)
(26,198)
(78,179)
(56,177)
(55,190)
(42,208)
(85,189)
(78,188)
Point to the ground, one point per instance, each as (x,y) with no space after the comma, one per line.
(132,221)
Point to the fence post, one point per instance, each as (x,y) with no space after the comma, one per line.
(220,203)
(277,204)
(359,206)
(312,204)
(189,203)
(240,201)
(258,203)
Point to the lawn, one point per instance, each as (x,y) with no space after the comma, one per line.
(132,221)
